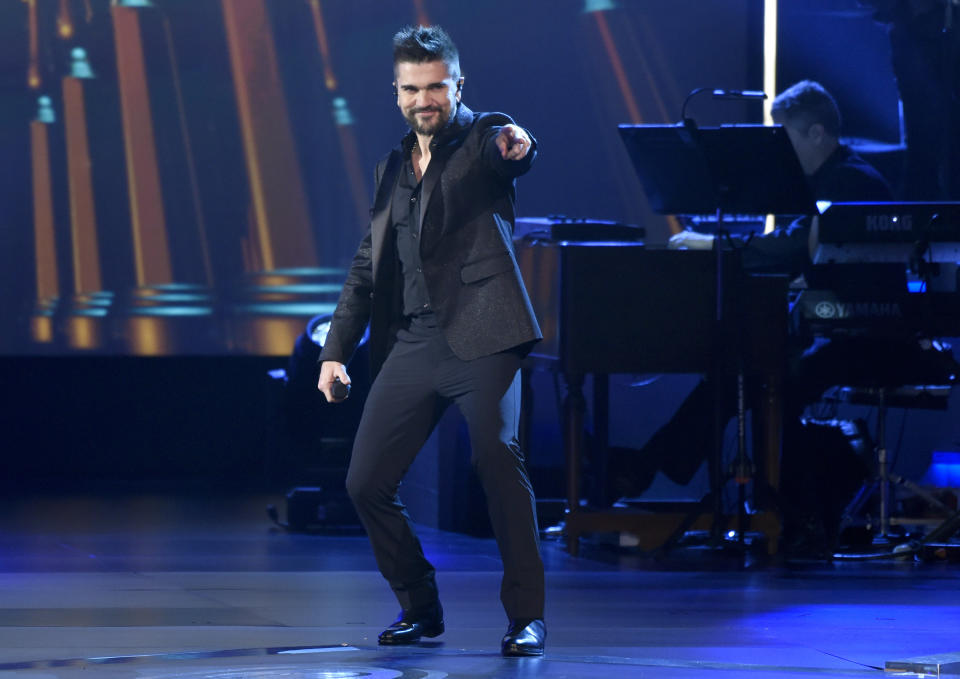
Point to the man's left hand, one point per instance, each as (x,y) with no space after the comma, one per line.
(690,240)
(513,142)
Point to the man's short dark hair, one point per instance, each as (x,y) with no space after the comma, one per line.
(808,103)
(419,44)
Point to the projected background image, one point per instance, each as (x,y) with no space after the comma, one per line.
(193,177)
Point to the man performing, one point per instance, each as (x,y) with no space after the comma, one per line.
(835,172)
(450,321)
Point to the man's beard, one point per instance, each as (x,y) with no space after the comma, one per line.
(427,128)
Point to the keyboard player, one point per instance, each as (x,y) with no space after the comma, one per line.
(810,116)
(836,173)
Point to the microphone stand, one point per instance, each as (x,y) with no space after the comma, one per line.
(717,477)
(718,93)
(729,322)
(741,470)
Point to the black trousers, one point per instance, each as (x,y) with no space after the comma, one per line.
(419,380)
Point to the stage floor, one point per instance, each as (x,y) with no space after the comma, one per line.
(151,584)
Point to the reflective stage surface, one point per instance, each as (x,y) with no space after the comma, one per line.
(151,585)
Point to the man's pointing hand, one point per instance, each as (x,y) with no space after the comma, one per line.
(513,142)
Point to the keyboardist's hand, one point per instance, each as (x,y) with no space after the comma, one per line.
(690,240)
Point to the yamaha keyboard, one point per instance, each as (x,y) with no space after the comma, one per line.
(859,281)
(889,232)
(828,313)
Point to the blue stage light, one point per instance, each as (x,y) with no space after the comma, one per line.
(944,470)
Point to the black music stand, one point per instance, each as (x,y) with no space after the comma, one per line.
(740,169)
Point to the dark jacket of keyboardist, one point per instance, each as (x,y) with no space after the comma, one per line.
(466,248)
(843,177)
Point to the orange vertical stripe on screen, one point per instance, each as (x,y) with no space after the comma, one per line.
(617,65)
(284,231)
(329,77)
(151,246)
(625,90)
(83,217)
(422,17)
(652,42)
(348,142)
(64,20)
(33,70)
(44,221)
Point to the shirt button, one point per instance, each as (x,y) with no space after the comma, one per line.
(413,200)
(426,306)
(419,270)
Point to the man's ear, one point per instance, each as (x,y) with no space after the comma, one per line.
(459,88)
(817,133)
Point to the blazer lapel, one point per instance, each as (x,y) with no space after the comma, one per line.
(380,221)
(450,140)
(430,181)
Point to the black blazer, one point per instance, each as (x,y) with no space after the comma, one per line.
(466,246)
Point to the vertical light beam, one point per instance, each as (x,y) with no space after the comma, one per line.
(618,70)
(769,58)
(422,17)
(769,74)
(330,79)
(64,20)
(44,218)
(33,70)
(147,212)
(284,230)
(343,120)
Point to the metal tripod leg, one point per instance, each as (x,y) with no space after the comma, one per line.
(883,471)
(881,481)
(885,481)
(945,530)
(856,504)
(930,499)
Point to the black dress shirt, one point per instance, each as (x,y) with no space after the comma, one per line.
(405,213)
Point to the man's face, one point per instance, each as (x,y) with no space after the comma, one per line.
(427,95)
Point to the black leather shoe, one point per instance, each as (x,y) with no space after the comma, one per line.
(412,625)
(523,638)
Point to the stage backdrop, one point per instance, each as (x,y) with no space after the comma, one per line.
(193,177)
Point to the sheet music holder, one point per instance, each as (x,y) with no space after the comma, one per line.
(736,169)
